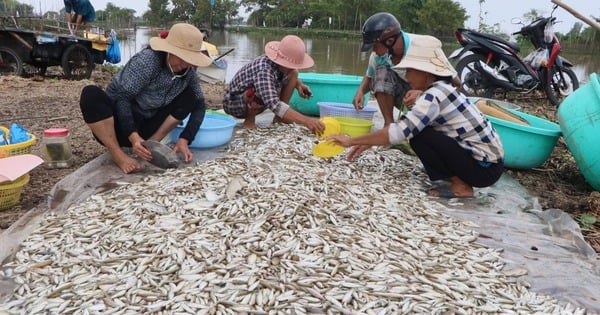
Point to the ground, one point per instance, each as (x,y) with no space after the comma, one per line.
(42,103)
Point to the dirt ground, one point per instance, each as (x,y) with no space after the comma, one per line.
(42,103)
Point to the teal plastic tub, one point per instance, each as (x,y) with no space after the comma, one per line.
(326,87)
(526,147)
(579,119)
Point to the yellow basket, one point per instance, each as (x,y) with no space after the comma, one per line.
(10,192)
(17,148)
(354,126)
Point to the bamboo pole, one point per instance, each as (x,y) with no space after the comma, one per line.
(577,14)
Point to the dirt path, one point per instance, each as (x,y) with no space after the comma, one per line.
(51,102)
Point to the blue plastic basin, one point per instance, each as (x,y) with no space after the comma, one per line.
(579,119)
(325,87)
(216,130)
(526,147)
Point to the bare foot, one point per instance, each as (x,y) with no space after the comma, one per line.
(249,124)
(126,163)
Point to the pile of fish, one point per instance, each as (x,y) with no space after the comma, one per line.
(267,229)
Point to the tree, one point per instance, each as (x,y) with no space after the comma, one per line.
(159,14)
(406,12)
(438,22)
(215,16)
(115,17)
(15,8)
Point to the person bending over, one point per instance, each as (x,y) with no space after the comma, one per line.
(456,143)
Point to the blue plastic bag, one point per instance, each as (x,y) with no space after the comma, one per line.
(113,53)
(18,134)
(3,138)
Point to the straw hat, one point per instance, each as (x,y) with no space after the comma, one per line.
(184,41)
(290,52)
(425,53)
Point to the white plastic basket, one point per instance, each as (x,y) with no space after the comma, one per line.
(333,109)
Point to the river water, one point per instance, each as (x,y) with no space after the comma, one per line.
(331,55)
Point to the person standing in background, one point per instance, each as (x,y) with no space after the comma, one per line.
(78,12)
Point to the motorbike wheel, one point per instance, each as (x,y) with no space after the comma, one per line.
(473,83)
(561,83)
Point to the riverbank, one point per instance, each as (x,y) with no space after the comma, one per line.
(52,102)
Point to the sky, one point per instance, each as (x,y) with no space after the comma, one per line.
(498,11)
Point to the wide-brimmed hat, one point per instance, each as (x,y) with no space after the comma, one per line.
(184,41)
(290,52)
(425,53)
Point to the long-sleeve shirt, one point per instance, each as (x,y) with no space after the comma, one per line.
(145,85)
(267,80)
(448,111)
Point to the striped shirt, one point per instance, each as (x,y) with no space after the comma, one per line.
(448,111)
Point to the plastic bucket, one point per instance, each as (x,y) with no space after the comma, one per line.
(354,126)
(325,87)
(579,119)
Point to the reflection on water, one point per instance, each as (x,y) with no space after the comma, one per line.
(331,55)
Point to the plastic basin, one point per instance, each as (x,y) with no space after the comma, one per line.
(325,88)
(354,126)
(216,130)
(579,119)
(332,109)
(526,147)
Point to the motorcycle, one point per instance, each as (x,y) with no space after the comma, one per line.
(488,64)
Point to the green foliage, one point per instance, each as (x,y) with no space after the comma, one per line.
(115,17)
(11,7)
(439,22)
(159,14)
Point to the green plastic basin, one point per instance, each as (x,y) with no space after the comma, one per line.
(526,147)
(325,87)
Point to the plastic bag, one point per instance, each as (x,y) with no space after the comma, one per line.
(18,134)
(3,138)
(549,33)
(537,58)
(113,53)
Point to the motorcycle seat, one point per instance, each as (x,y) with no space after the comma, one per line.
(495,38)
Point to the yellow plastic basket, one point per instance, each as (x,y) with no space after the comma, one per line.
(10,192)
(17,148)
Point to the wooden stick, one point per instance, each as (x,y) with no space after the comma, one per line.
(24,42)
(577,14)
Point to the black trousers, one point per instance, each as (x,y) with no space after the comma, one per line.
(96,106)
(443,157)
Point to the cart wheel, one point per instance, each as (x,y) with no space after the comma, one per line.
(10,62)
(77,62)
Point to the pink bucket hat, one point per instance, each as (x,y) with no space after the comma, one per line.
(290,52)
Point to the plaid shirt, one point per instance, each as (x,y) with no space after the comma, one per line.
(448,111)
(264,76)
